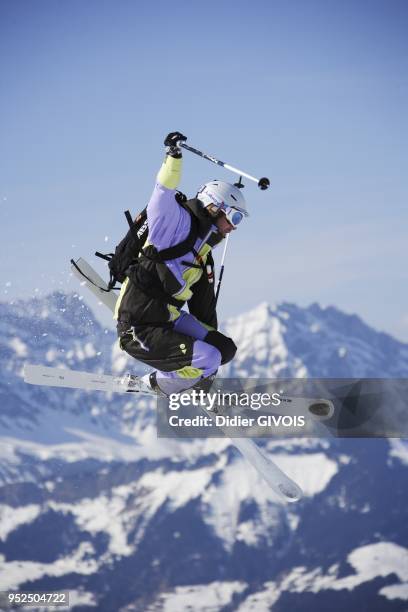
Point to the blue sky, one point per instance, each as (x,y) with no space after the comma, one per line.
(312,94)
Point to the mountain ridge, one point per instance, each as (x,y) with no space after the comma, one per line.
(91,500)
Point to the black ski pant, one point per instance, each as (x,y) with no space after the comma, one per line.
(182,352)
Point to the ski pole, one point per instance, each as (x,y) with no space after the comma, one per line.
(221,270)
(263,183)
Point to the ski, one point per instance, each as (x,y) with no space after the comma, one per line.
(128,383)
(279,482)
(87,381)
(91,279)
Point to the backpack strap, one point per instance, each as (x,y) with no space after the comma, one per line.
(90,279)
(177,250)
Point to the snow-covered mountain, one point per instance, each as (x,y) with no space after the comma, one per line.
(290,341)
(93,502)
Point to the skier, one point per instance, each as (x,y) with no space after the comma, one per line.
(175,267)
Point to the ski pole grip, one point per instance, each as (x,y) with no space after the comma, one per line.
(263,183)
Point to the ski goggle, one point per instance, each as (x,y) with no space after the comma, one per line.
(233,215)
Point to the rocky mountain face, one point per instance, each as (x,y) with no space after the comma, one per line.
(92,501)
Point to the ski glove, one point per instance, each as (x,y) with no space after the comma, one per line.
(171,141)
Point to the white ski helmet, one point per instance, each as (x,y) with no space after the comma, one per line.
(221,195)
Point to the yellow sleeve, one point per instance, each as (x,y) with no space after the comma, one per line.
(170,173)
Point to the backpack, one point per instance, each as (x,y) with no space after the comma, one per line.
(127,251)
